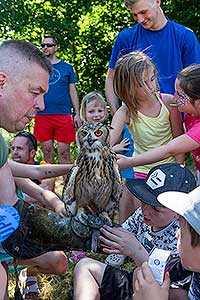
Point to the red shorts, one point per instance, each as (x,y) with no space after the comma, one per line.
(55,127)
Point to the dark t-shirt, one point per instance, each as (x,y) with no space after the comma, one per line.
(3,151)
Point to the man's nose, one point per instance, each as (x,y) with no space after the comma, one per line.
(140,18)
(39,103)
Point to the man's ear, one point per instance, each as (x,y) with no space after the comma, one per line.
(158,2)
(32,153)
(3,78)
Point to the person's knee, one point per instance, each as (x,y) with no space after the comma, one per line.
(61,263)
(47,149)
(82,266)
(57,263)
(89,268)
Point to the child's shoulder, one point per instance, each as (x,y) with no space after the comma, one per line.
(166,98)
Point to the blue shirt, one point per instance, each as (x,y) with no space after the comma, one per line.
(57,100)
(127,173)
(172,48)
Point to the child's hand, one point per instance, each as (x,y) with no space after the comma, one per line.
(122,146)
(124,162)
(145,287)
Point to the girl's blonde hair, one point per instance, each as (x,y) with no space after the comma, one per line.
(129,74)
(92,96)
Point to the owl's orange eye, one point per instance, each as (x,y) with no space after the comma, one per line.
(98,132)
(84,133)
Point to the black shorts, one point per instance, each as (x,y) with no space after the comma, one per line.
(116,284)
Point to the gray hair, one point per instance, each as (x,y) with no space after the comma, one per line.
(17,55)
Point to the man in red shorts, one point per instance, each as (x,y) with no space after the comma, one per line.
(55,122)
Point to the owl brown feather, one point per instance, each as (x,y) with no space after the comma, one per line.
(94,185)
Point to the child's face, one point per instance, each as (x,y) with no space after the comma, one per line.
(151,84)
(95,112)
(157,216)
(190,256)
(183,101)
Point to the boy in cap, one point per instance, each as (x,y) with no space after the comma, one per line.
(151,226)
(187,206)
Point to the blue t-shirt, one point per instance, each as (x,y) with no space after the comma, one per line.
(127,173)
(172,48)
(57,100)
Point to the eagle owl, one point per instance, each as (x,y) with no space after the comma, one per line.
(94,185)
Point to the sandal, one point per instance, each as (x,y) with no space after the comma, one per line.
(28,286)
(115,260)
(9,221)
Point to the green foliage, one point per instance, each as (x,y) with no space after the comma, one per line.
(85,29)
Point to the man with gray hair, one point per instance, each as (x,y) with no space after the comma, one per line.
(171,46)
(24,75)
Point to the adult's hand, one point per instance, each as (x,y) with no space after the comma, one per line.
(53,201)
(77,121)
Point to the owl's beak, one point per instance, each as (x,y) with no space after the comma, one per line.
(91,140)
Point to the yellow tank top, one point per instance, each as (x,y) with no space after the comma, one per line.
(149,133)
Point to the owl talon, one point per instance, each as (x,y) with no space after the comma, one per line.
(106,220)
(82,218)
(95,221)
(80,229)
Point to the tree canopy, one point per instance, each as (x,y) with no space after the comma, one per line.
(85,29)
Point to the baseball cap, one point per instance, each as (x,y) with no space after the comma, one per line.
(186,205)
(160,179)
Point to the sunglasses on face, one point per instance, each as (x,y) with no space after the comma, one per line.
(48,45)
(181,98)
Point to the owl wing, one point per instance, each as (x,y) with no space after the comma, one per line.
(116,191)
(68,191)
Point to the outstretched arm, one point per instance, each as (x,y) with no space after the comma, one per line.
(40,196)
(181,144)
(38,171)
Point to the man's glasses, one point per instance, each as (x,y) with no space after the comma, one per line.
(48,45)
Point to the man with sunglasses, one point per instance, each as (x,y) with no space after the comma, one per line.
(55,122)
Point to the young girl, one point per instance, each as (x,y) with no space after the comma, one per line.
(94,110)
(151,120)
(187,98)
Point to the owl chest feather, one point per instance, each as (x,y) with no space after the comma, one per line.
(95,176)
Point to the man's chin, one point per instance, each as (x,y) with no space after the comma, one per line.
(20,126)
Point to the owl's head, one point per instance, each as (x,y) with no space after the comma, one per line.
(92,136)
